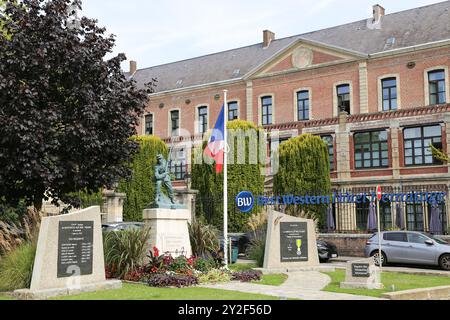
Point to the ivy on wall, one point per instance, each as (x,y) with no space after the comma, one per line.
(140,187)
(248,176)
(304,169)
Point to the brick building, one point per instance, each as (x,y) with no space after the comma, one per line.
(377,90)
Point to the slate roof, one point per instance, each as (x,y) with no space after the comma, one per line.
(397,30)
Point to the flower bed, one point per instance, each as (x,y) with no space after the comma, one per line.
(163,270)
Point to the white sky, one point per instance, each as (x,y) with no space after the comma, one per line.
(154,32)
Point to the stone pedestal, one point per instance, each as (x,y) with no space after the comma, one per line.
(362,274)
(114,206)
(187,198)
(169,230)
(69,256)
(290,242)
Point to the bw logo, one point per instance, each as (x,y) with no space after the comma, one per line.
(245,201)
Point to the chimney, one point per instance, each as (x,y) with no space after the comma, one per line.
(268,37)
(378,12)
(133,67)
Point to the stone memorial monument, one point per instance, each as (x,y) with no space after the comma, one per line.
(69,257)
(290,242)
(168,221)
(363,274)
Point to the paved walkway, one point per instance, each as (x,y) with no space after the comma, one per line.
(305,285)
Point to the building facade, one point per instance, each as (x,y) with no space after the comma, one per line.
(376,90)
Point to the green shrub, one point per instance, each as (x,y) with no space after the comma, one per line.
(12,214)
(256,249)
(204,265)
(304,166)
(204,238)
(214,276)
(16,268)
(125,250)
(249,177)
(140,187)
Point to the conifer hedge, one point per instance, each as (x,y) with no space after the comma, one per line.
(304,169)
(140,187)
(241,177)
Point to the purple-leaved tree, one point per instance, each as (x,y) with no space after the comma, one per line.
(66,112)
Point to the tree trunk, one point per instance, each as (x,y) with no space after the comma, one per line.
(37,202)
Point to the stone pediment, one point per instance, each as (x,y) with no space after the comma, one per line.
(304,55)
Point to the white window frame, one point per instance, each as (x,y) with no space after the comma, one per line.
(380,90)
(335,99)
(426,85)
(296,91)
(169,120)
(260,107)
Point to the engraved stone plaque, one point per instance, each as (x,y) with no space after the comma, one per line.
(293,241)
(75,248)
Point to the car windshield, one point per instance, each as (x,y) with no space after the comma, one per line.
(435,238)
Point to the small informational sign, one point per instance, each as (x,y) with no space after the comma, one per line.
(293,241)
(75,248)
(360,270)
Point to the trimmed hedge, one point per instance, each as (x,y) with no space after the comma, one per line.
(248,177)
(304,169)
(140,187)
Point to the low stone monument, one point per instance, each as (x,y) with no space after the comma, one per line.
(362,274)
(168,221)
(69,257)
(290,242)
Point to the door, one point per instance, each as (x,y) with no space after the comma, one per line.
(395,245)
(418,251)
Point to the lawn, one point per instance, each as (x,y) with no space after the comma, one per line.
(272,279)
(143,292)
(392,282)
(3,297)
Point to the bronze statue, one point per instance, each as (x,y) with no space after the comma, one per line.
(162,176)
(162,179)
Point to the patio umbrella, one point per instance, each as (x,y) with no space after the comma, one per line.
(372,219)
(435,219)
(330,219)
(399,222)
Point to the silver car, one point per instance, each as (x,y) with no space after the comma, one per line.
(409,247)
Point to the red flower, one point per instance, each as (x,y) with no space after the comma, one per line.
(156,251)
(154,269)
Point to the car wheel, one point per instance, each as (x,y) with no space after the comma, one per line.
(444,262)
(375,256)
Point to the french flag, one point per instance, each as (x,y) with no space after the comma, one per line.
(216,143)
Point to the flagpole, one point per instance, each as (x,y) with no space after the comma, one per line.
(225,180)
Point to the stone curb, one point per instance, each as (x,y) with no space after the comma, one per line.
(27,294)
(435,293)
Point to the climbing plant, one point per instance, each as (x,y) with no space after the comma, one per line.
(304,169)
(140,186)
(247,143)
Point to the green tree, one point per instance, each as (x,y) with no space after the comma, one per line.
(244,175)
(304,169)
(67,112)
(140,186)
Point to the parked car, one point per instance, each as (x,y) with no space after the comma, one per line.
(119,226)
(326,250)
(409,247)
